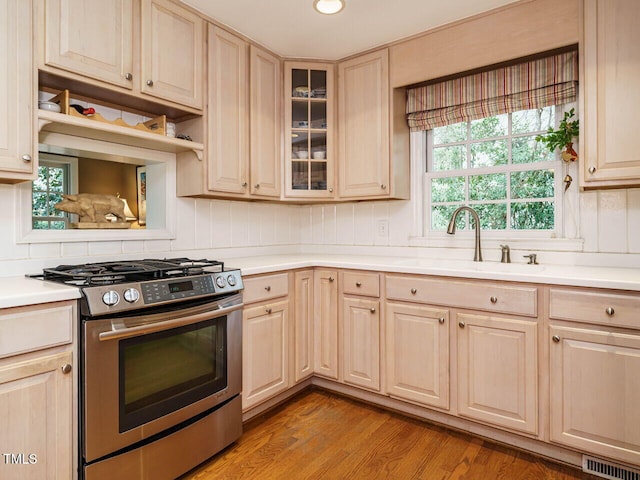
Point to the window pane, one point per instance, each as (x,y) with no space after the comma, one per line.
(57,225)
(56,179)
(489,154)
(53,199)
(456,132)
(448,189)
(449,158)
(441,214)
(488,187)
(532,216)
(40,205)
(534,120)
(40,225)
(493,216)
(532,184)
(490,127)
(40,183)
(527,150)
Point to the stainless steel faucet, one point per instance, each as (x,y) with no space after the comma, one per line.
(451,229)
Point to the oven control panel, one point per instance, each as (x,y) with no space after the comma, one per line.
(131,296)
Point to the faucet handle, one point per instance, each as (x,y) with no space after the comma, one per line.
(506,254)
(532,259)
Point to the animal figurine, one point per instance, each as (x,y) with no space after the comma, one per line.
(92,207)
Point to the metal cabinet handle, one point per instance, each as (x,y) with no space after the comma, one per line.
(494,299)
(268,310)
(592,170)
(556,338)
(383,186)
(268,288)
(461,324)
(128,76)
(373,309)
(257,185)
(26,158)
(244,184)
(330,190)
(331,279)
(66,368)
(610,311)
(414,291)
(150,83)
(441,320)
(358,284)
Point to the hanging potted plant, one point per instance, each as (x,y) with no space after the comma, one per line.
(562,138)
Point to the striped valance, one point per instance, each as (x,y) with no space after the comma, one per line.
(538,83)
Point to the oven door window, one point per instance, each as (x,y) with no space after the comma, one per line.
(165,371)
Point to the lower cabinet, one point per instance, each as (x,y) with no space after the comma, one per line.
(36,395)
(417,354)
(497,371)
(303,325)
(361,342)
(325,323)
(595,391)
(265,351)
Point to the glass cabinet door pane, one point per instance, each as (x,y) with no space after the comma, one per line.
(299,144)
(318,146)
(300,114)
(300,83)
(319,115)
(318,175)
(318,84)
(300,175)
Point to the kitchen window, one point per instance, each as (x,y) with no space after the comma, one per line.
(494,165)
(56,175)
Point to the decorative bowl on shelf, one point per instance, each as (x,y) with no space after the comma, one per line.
(49,106)
(319,155)
(303,154)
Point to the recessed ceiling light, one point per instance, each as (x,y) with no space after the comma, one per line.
(328,7)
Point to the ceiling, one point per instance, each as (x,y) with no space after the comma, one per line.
(293,29)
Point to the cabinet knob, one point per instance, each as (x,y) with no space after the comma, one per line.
(610,311)
(441,320)
(373,309)
(150,83)
(414,291)
(331,279)
(268,310)
(383,186)
(330,190)
(66,368)
(128,76)
(358,284)
(268,288)
(244,184)
(494,299)
(257,185)
(556,338)
(461,324)
(26,158)
(592,170)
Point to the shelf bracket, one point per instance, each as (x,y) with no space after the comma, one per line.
(199,153)
(43,123)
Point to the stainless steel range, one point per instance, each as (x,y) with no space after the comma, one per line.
(161,365)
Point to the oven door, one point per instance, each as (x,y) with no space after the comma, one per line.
(145,374)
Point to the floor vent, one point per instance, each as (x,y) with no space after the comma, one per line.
(606,469)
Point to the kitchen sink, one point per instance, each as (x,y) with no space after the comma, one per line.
(467,265)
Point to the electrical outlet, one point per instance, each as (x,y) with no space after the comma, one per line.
(383,228)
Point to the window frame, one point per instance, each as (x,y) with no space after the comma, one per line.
(70,166)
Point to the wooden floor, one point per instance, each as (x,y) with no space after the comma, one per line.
(320,435)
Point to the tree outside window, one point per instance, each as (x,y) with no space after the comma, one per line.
(52,182)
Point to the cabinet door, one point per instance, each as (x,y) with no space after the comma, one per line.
(497,371)
(17,91)
(417,354)
(265,352)
(172,40)
(37,422)
(303,325)
(611,93)
(266,124)
(92,38)
(325,323)
(363,115)
(361,342)
(595,392)
(228,131)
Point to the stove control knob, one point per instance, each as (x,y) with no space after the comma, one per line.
(231,280)
(110,298)
(131,295)
(220,282)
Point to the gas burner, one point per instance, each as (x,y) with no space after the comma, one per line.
(106,279)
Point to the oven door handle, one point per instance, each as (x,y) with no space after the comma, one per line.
(126,332)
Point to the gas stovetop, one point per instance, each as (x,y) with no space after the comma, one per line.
(120,286)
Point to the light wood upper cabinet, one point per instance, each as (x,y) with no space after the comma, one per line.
(325,323)
(92,38)
(361,342)
(497,371)
(228,132)
(266,121)
(363,116)
(611,110)
(172,46)
(18,154)
(595,391)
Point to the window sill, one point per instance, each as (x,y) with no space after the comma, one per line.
(466,240)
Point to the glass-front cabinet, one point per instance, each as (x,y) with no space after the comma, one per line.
(309,126)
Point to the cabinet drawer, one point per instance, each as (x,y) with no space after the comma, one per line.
(26,329)
(361,283)
(478,296)
(604,308)
(265,287)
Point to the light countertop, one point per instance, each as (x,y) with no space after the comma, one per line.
(19,291)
